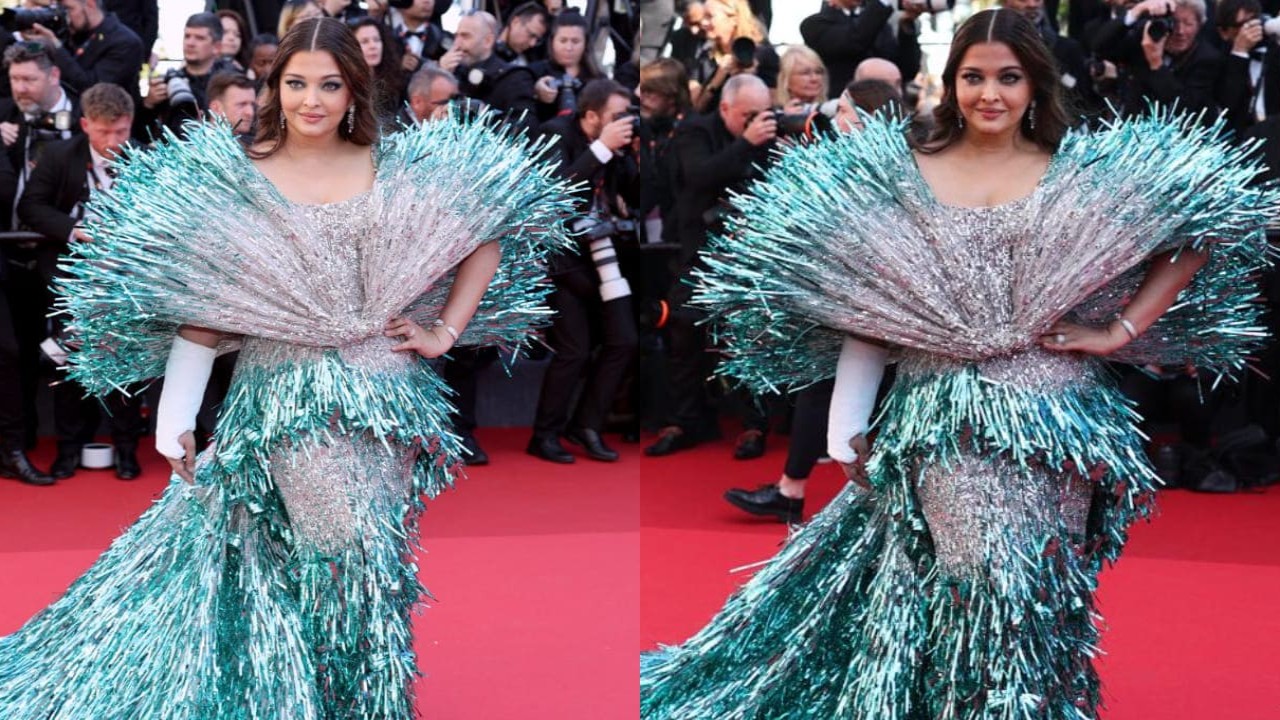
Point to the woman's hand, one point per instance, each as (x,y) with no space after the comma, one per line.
(428,343)
(856,471)
(1070,337)
(185,466)
(545,91)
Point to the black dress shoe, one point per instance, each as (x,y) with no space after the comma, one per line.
(591,441)
(66,464)
(670,439)
(767,500)
(127,467)
(472,454)
(1167,462)
(16,464)
(549,449)
(750,445)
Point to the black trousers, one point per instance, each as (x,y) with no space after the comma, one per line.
(27,290)
(76,418)
(12,429)
(690,362)
(584,322)
(808,440)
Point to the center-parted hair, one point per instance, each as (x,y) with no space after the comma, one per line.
(1016,31)
(319,35)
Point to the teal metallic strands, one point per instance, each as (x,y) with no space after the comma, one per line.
(843,235)
(193,221)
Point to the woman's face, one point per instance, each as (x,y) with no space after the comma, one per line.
(992,89)
(806,80)
(719,24)
(370,44)
(231,40)
(313,95)
(260,62)
(568,46)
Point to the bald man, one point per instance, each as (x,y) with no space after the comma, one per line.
(485,76)
(878,69)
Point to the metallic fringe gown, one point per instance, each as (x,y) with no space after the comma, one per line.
(280,585)
(960,587)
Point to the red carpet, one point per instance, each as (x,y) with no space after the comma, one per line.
(1192,609)
(534,566)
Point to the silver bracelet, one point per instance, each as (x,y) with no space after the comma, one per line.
(1129,329)
(453,332)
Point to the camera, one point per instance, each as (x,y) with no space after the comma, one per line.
(179,87)
(633,111)
(744,52)
(19,19)
(1156,27)
(567,87)
(598,231)
(400,4)
(930,6)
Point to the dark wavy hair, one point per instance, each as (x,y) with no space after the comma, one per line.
(390,79)
(319,35)
(1052,119)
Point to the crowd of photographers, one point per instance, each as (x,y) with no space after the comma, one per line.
(696,104)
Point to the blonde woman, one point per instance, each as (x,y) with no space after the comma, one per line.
(728,23)
(802,79)
(294,12)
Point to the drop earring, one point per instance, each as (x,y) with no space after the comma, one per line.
(960,120)
(282,121)
(351,119)
(1031,115)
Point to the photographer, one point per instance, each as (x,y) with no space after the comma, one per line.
(716,153)
(1158,43)
(521,40)
(420,38)
(484,76)
(594,146)
(234,98)
(431,91)
(53,205)
(40,110)
(100,49)
(846,32)
(1249,89)
(567,69)
(182,94)
(736,44)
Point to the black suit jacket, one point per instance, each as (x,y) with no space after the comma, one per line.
(142,17)
(55,187)
(504,87)
(110,53)
(10,113)
(1235,89)
(709,162)
(844,40)
(620,177)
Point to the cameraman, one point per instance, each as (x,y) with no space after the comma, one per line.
(521,40)
(40,110)
(594,147)
(234,98)
(182,94)
(484,76)
(846,32)
(716,153)
(569,66)
(1249,89)
(1168,66)
(100,49)
(420,38)
(53,205)
(431,91)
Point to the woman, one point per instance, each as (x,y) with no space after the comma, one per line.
(262,53)
(383,54)
(233,45)
(730,23)
(567,69)
(953,578)
(294,12)
(802,79)
(275,576)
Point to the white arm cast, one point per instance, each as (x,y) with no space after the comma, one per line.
(185,378)
(858,374)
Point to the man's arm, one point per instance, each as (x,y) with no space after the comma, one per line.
(514,94)
(120,63)
(833,36)
(38,207)
(703,169)
(1193,92)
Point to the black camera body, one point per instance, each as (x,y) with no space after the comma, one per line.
(19,19)
(179,87)
(1157,27)
(803,126)
(48,125)
(567,88)
(400,4)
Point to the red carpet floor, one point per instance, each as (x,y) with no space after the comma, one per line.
(1193,608)
(534,565)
